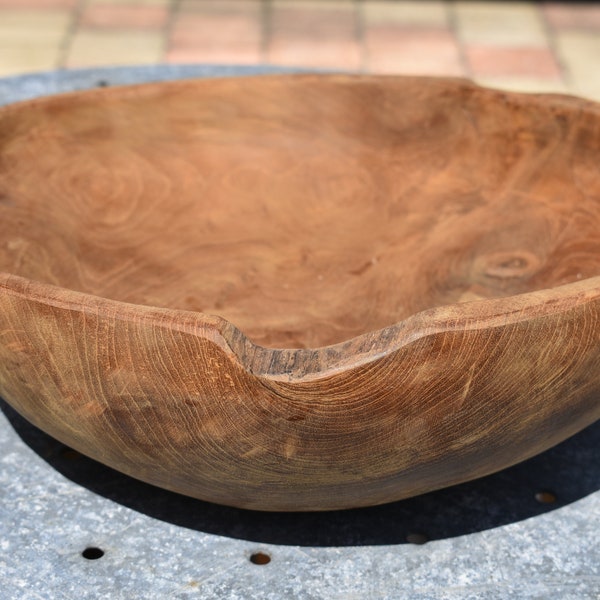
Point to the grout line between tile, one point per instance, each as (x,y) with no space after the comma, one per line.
(565,73)
(266,11)
(361,37)
(168,27)
(452,20)
(67,40)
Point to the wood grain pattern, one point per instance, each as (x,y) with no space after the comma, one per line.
(302,292)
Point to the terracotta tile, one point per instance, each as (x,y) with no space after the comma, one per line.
(493,61)
(38,4)
(218,37)
(291,22)
(124,15)
(392,49)
(217,30)
(313,5)
(114,47)
(326,37)
(422,13)
(220,6)
(318,53)
(579,53)
(573,15)
(166,3)
(500,23)
(223,54)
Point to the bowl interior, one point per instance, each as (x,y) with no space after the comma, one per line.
(305,210)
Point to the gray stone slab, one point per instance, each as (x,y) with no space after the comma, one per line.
(23,87)
(488,539)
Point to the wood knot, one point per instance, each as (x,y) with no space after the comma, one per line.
(508,265)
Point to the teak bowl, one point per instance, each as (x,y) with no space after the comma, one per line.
(302,292)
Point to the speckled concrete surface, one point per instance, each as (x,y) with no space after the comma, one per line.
(487,539)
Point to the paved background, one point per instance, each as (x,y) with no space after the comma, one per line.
(530,46)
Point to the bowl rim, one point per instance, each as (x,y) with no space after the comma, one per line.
(300,365)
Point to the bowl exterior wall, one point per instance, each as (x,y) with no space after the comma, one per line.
(161,395)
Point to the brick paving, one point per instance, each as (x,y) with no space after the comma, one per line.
(531,46)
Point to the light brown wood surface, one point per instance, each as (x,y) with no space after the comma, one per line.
(302,292)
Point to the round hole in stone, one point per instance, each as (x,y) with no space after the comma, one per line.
(417,538)
(260,558)
(545,497)
(92,553)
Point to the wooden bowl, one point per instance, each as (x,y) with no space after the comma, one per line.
(302,292)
